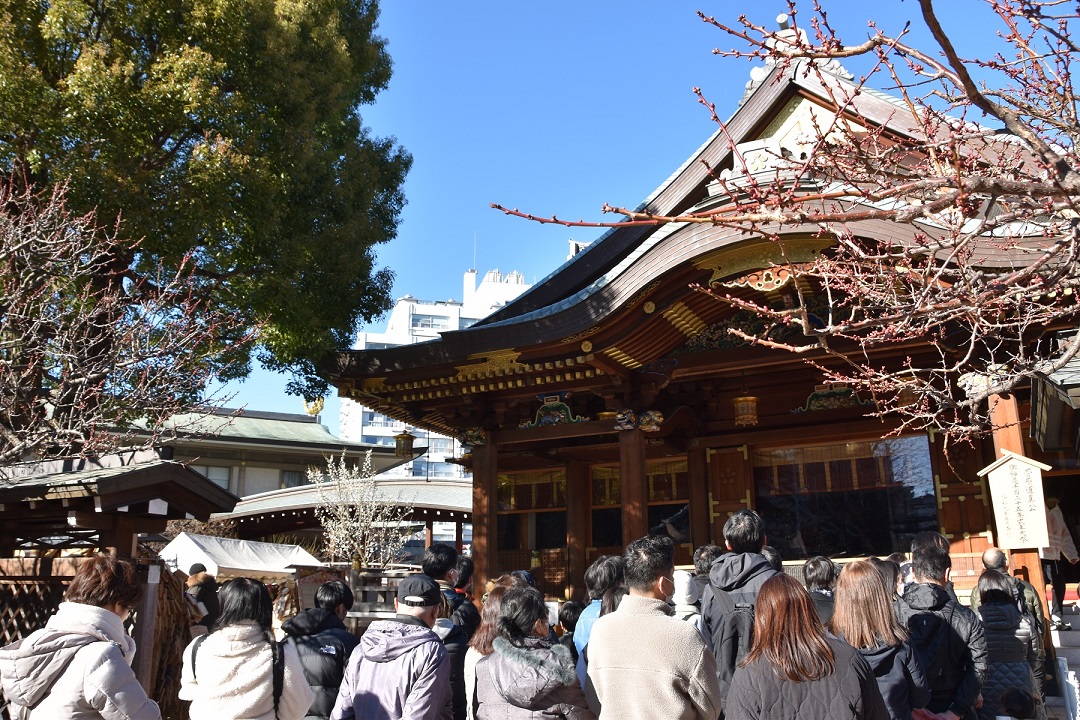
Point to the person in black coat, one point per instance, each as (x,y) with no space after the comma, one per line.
(202,587)
(1013,647)
(440,564)
(820,574)
(948,638)
(323,643)
(457,644)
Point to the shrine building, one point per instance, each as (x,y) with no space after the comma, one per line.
(610,400)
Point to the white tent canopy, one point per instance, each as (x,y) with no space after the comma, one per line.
(227,558)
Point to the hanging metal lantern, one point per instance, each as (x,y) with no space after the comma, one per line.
(745,406)
(403,443)
(746,410)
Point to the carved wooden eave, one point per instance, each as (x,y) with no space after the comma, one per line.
(599,322)
(480,378)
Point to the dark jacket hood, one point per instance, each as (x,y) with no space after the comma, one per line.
(926,596)
(386,640)
(312,621)
(880,655)
(733,571)
(525,675)
(999,616)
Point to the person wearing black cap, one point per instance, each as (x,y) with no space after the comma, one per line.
(400,669)
(202,587)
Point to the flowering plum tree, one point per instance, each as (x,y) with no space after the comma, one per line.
(92,359)
(979,173)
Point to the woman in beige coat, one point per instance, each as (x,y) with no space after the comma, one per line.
(79,665)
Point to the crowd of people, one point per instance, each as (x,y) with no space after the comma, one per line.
(738,638)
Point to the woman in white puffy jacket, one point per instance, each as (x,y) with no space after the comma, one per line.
(79,665)
(238,670)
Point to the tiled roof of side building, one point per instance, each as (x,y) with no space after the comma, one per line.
(452,496)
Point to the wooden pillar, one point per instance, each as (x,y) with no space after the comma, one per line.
(697,467)
(459,537)
(429,532)
(121,539)
(8,540)
(146,623)
(635,490)
(577,528)
(1005,420)
(485,521)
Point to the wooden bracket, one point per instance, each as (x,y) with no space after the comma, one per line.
(712,513)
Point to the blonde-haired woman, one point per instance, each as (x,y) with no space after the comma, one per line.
(864,617)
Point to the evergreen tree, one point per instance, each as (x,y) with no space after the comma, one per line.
(225,139)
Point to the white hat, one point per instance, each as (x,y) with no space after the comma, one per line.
(686,590)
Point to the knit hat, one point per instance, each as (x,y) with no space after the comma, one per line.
(419,590)
(686,590)
(196,569)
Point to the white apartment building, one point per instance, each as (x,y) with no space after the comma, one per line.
(412,321)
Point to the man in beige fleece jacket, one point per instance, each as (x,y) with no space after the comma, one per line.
(642,662)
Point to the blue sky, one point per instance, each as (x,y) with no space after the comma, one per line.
(553,108)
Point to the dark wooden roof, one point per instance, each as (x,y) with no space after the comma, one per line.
(625,302)
(84,495)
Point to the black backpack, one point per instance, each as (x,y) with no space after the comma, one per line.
(932,644)
(732,639)
(278,650)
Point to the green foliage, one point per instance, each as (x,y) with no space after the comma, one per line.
(224,130)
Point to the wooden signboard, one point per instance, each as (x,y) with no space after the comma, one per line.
(1016,490)
(309,582)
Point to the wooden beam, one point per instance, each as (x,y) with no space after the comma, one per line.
(698,472)
(683,419)
(121,539)
(502,438)
(721,435)
(106,521)
(1025,563)
(617,372)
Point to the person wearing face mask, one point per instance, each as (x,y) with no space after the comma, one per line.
(641,658)
(440,564)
